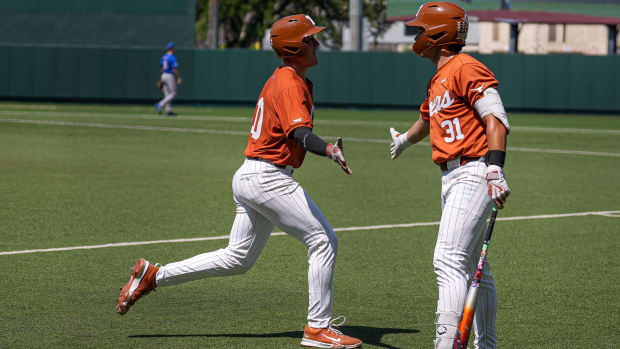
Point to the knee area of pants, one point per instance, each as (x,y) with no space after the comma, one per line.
(240,262)
(242,266)
(450,261)
(323,242)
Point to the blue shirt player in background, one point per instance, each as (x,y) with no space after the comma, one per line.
(170,77)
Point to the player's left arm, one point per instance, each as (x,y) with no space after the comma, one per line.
(493,115)
(478,86)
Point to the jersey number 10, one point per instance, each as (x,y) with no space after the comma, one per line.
(450,130)
(257,123)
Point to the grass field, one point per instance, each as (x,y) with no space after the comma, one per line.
(82,175)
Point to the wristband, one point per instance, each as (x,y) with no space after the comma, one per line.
(495,157)
(404,140)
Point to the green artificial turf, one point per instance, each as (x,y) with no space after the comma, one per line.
(75,175)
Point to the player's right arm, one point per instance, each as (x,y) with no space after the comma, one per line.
(314,144)
(417,132)
(294,113)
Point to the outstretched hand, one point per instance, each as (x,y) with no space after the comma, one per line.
(399,143)
(336,153)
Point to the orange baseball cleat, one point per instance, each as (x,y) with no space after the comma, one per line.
(328,338)
(141,282)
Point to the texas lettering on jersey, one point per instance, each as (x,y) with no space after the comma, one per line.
(284,104)
(438,103)
(456,129)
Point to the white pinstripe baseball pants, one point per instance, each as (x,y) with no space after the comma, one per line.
(267,196)
(465,208)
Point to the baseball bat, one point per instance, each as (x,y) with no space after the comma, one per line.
(464,328)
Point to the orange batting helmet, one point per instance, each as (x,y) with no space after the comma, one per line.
(288,33)
(439,24)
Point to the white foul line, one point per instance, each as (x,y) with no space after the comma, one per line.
(245,133)
(615,214)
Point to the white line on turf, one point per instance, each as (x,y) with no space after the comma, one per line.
(125,116)
(564,130)
(27,106)
(614,214)
(248,118)
(245,133)
(129,127)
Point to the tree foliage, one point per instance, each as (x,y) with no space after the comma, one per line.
(243,22)
(376,14)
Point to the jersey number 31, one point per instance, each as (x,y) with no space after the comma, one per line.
(450,130)
(257,123)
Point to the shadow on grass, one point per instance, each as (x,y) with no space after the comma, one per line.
(369,335)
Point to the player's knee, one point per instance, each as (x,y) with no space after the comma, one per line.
(243,265)
(326,244)
(445,329)
(450,262)
(240,261)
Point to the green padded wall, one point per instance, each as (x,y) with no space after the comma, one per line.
(97,23)
(374,79)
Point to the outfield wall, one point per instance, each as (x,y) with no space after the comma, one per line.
(374,79)
(98,23)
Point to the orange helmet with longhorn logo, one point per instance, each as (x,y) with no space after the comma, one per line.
(438,24)
(288,34)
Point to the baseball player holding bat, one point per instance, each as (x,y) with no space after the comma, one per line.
(467,123)
(267,195)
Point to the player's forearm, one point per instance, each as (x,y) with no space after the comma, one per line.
(176,73)
(496,133)
(418,131)
(496,141)
(309,141)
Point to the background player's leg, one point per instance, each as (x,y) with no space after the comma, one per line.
(170,91)
(466,205)
(173,93)
(286,204)
(248,236)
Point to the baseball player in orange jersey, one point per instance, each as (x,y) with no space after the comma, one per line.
(267,195)
(465,118)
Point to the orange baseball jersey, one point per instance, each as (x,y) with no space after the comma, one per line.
(284,104)
(456,129)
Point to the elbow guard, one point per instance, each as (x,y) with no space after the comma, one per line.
(491,103)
